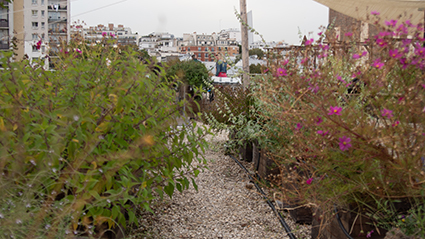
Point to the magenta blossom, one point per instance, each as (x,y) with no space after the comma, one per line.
(423,85)
(356,56)
(38,45)
(344,143)
(396,123)
(369,234)
(266,70)
(335,110)
(378,64)
(391,23)
(348,34)
(298,126)
(104,34)
(381,42)
(376,13)
(309,181)
(319,120)
(395,54)
(387,113)
(78,50)
(285,62)
(281,72)
(323,133)
(309,42)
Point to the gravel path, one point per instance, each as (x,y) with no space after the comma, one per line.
(225,206)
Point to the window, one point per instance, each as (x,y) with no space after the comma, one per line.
(34,37)
(206,48)
(199,49)
(43,24)
(42,2)
(34,2)
(212,49)
(42,13)
(34,25)
(199,55)
(43,35)
(34,49)
(34,13)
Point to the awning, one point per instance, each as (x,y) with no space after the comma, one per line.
(388,9)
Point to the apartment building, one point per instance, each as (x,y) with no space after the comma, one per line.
(31,22)
(205,46)
(124,35)
(6,25)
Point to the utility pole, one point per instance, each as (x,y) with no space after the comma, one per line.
(245,53)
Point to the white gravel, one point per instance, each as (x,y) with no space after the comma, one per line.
(225,206)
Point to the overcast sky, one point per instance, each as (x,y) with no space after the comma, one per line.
(276,20)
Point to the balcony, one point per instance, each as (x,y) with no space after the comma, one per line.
(57,32)
(4,45)
(57,19)
(56,7)
(4,23)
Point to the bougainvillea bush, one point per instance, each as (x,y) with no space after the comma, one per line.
(82,147)
(347,121)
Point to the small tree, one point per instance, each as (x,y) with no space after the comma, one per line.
(191,72)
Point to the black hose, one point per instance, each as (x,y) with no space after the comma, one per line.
(340,224)
(282,221)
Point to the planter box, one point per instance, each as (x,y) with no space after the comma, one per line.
(330,229)
(245,151)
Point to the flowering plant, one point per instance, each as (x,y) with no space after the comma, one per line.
(350,117)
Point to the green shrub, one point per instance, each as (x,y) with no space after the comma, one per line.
(88,143)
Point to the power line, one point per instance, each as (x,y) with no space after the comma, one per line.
(99,8)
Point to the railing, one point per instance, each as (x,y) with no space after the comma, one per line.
(59,7)
(4,46)
(4,23)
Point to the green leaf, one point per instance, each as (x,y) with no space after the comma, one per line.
(169,189)
(194,184)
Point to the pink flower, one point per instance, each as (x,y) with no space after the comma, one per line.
(309,42)
(320,33)
(391,23)
(423,85)
(38,45)
(298,126)
(419,50)
(376,13)
(395,54)
(323,133)
(304,60)
(314,88)
(387,113)
(348,34)
(319,120)
(112,34)
(396,123)
(381,42)
(335,110)
(78,50)
(378,64)
(266,70)
(281,72)
(285,62)
(364,53)
(344,143)
(356,56)
(369,234)
(309,181)
(104,34)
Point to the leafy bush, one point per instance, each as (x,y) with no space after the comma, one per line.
(85,145)
(191,72)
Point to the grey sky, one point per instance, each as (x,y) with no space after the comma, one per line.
(276,20)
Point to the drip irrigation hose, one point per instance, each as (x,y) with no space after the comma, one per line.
(340,224)
(282,221)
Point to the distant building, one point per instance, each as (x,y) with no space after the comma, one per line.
(204,46)
(250,33)
(123,34)
(161,45)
